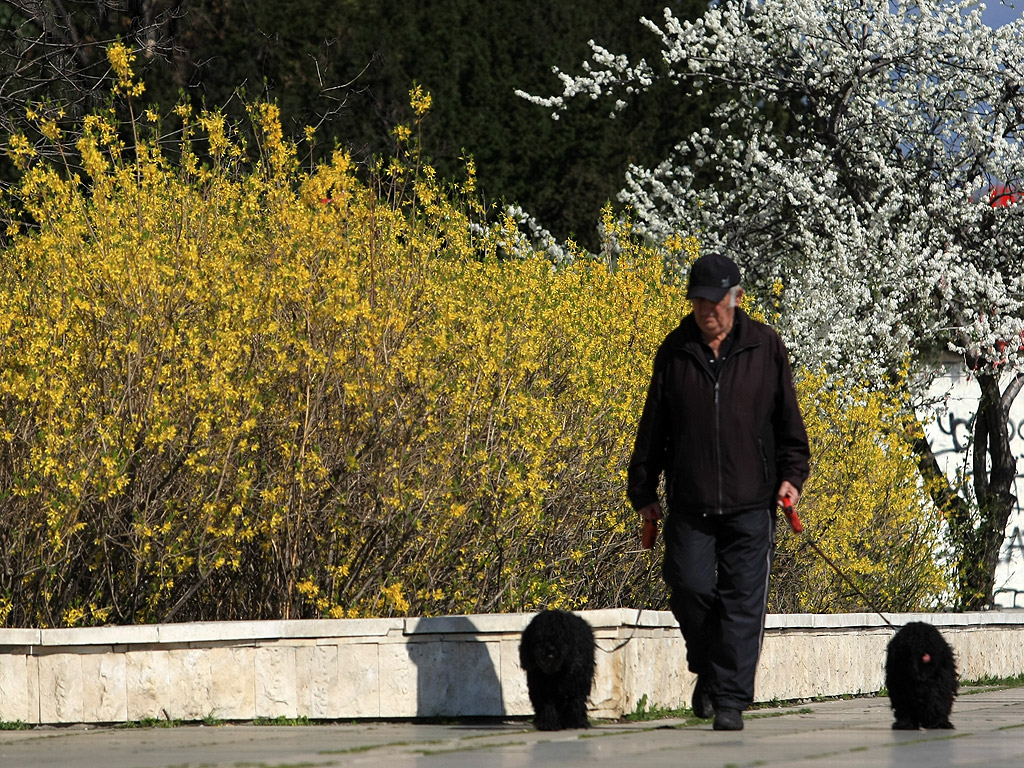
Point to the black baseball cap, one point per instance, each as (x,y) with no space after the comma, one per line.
(711,277)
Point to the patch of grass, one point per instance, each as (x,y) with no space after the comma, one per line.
(1015,681)
(152,722)
(754,715)
(645,711)
(282,720)
(13,725)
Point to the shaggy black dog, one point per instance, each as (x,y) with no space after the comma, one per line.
(557,653)
(920,673)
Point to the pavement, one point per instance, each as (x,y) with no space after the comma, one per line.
(989,731)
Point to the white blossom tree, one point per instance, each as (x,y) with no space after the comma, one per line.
(866,159)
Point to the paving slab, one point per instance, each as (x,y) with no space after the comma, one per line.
(856,732)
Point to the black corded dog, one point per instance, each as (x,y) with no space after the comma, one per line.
(557,653)
(920,673)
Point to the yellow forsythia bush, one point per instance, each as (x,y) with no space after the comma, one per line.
(234,389)
(240,390)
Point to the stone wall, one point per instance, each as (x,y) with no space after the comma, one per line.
(453,666)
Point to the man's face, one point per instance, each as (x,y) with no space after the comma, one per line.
(712,318)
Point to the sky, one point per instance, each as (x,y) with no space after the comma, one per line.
(996,14)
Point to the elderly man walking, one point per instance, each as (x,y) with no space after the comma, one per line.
(721,422)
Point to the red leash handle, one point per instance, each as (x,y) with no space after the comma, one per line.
(794,521)
(649,534)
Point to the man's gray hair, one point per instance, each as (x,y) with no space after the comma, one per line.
(734,295)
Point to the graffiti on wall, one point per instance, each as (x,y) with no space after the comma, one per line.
(959,429)
(1013,549)
(951,438)
(956,431)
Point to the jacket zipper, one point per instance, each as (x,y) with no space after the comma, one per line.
(717,375)
(718,443)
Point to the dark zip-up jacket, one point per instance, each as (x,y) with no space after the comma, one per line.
(727,438)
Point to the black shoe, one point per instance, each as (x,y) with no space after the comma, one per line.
(701,702)
(728,720)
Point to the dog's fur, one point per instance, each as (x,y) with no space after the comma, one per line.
(557,653)
(920,673)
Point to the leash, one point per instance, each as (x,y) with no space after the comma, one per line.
(648,535)
(625,642)
(798,527)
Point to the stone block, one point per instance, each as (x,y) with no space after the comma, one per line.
(801,665)
(275,678)
(32,664)
(606,692)
(515,697)
(358,690)
(232,683)
(192,673)
(16,700)
(398,681)
(483,624)
(60,688)
(99,636)
(14,637)
(219,631)
(151,685)
(104,686)
(657,668)
(317,680)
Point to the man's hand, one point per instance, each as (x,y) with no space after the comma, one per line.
(649,531)
(787,489)
(651,512)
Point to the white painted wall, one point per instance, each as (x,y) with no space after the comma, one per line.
(949,432)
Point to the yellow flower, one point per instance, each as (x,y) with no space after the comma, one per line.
(120,59)
(20,150)
(420,101)
(49,129)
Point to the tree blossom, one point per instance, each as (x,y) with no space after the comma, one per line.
(854,164)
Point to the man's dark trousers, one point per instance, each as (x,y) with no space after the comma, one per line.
(717,569)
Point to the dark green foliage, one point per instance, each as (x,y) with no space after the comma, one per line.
(347,67)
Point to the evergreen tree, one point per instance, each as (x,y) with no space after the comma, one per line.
(347,68)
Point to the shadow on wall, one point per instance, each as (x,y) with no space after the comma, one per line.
(458,676)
